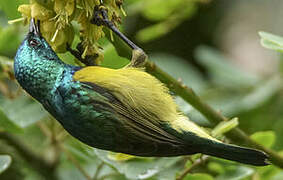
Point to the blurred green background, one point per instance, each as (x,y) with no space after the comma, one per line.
(213,46)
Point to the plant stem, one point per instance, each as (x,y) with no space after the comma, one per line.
(95,177)
(107,176)
(43,167)
(197,162)
(190,96)
(75,162)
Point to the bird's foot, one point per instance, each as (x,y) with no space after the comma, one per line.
(88,60)
(139,59)
(100,17)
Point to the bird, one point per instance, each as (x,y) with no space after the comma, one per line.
(122,110)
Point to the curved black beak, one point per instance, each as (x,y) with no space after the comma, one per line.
(34,27)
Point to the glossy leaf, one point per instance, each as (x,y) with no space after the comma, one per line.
(198,176)
(10,40)
(5,162)
(271,41)
(28,111)
(152,32)
(224,127)
(182,12)
(7,124)
(216,167)
(265,138)
(278,176)
(180,69)
(237,173)
(120,156)
(159,9)
(222,71)
(10,8)
(112,59)
(139,168)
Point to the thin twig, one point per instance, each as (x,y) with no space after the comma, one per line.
(75,162)
(44,129)
(95,177)
(42,166)
(197,162)
(190,96)
(109,175)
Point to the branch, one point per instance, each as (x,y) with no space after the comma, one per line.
(98,170)
(190,96)
(197,163)
(76,163)
(46,169)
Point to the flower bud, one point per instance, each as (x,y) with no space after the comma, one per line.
(39,12)
(25,9)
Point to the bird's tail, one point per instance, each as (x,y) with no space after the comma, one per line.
(236,153)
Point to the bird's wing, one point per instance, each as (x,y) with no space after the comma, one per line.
(137,124)
(141,99)
(134,88)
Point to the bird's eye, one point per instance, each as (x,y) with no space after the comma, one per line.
(33,42)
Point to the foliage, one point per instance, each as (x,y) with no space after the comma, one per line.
(271,41)
(257,101)
(5,161)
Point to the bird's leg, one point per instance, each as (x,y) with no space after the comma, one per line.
(100,17)
(88,60)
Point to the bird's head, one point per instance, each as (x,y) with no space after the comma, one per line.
(34,47)
(35,61)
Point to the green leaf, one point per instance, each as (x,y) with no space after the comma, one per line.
(5,162)
(153,32)
(215,168)
(82,152)
(278,176)
(169,173)
(224,127)
(23,110)
(10,40)
(234,103)
(112,59)
(10,7)
(185,11)
(222,71)
(271,41)
(83,156)
(180,69)
(198,176)
(158,10)
(6,123)
(265,138)
(120,156)
(237,173)
(141,168)
(269,172)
